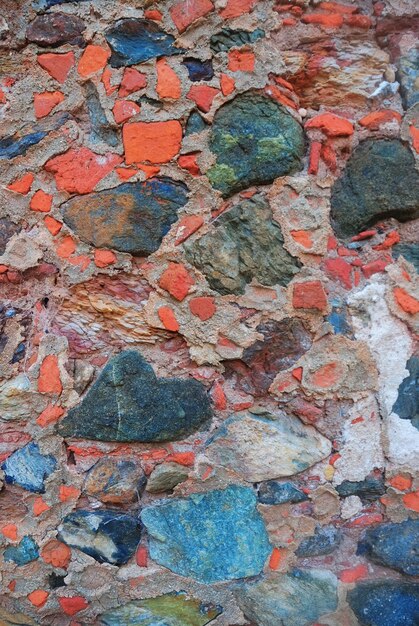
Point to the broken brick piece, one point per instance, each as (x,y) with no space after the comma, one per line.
(49,380)
(202,95)
(41,201)
(57,65)
(309,295)
(23,184)
(44,102)
(203,307)
(123,110)
(241,60)
(132,80)
(177,281)
(184,13)
(168,82)
(332,125)
(168,318)
(93,59)
(153,142)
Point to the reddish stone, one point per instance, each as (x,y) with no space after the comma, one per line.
(177,281)
(184,13)
(41,201)
(302,237)
(364,520)
(53,225)
(234,8)
(203,96)
(44,102)
(65,247)
(123,110)
(400,482)
(289,21)
(315,150)
(38,597)
(298,374)
(326,376)
(132,81)
(275,559)
(67,492)
(149,170)
(3,98)
(374,120)
(358,21)
(339,270)
(79,169)
(408,303)
(93,59)
(241,60)
(328,155)
(332,125)
(328,20)
(141,556)
(218,396)
(57,65)
(49,380)
(309,295)
(411,501)
(188,162)
(168,318)
(49,415)
(56,553)
(374,267)
(168,82)
(73,604)
(203,307)
(187,226)
(183,458)
(103,258)
(227,84)
(82,261)
(23,184)
(354,573)
(153,142)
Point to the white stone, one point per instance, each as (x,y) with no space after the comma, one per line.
(350,507)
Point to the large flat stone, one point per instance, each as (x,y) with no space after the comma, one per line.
(129,403)
(213,536)
(385,603)
(263,447)
(133,217)
(243,244)
(394,545)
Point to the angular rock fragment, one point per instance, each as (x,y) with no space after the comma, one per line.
(325,541)
(100,128)
(129,403)
(410,251)
(408,76)
(198,70)
(107,536)
(385,603)
(380,181)
(166,476)
(136,40)
(133,217)
(244,243)
(47,4)
(263,447)
(115,481)
(229,38)
(394,545)
(273,492)
(368,490)
(407,403)
(28,468)
(19,143)
(213,536)
(7,230)
(55,29)
(255,140)
(195,124)
(299,598)
(25,552)
(172,609)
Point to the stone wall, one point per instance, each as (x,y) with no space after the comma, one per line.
(208,270)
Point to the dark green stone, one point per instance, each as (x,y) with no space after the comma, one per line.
(244,243)
(379,182)
(129,403)
(228,38)
(255,140)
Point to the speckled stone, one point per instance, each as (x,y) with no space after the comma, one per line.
(133,217)
(22,554)
(407,403)
(324,541)
(115,481)
(298,598)
(28,468)
(129,403)
(107,536)
(56,29)
(408,76)
(394,545)
(243,244)
(273,492)
(255,140)
(228,38)
(410,251)
(379,181)
(213,536)
(385,603)
(172,609)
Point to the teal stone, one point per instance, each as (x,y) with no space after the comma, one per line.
(210,537)
(25,552)
(255,140)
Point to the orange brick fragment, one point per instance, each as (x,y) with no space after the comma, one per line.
(44,102)
(41,201)
(39,506)
(49,380)
(354,573)
(227,84)
(328,20)
(218,396)
(65,247)
(22,185)
(275,560)
(187,226)
(168,318)
(405,301)
(400,482)
(103,258)
(203,307)
(202,95)
(154,142)
(73,604)
(79,169)
(93,59)
(302,237)
(153,14)
(132,80)
(57,65)
(414,133)
(332,125)
(168,82)
(67,492)
(56,553)
(10,531)
(374,120)
(188,162)
(141,556)
(241,60)
(184,13)
(176,280)
(326,376)
(38,597)
(411,501)
(309,295)
(123,110)
(53,225)
(49,415)
(234,8)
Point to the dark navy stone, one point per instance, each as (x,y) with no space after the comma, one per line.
(129,403)
(28,468)
(195,124)
(213,536)
(407,403)
(107,536)
(385,603)
(273,492)
(19,143)
(228,38)
(410,251)
(325,541)
(135,40)
(255,141)
(199,70)
(394,545)
(25,552)
(100,128)
(133,217)
(368,490)
(56,29)
(380,181)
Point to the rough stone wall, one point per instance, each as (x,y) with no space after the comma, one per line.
(209,300)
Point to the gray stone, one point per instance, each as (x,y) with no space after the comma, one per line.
(324,541)
(166,476)
(410,251)
(408,76)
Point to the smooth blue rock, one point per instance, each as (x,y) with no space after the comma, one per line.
(135,40)
(18,144)
(28,468)
(198,70)
(25,552)
(385,603)
(324,541)
(273,492)
(107,536)
(394,545)
(213,536)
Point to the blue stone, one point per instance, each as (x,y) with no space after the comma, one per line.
(407,403)
(195,124)
(338,320)
(385,603)
(42,5)
(394,545)
(107,536)
(100,129)
(198,70)
(213,536)
(28,468)
(24,553)
(136,40)
(369,489)
(19,143)
(325,540)
(273,492)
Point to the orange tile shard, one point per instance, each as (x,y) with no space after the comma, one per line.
(151,142)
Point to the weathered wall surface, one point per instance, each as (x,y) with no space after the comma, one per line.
(208,240)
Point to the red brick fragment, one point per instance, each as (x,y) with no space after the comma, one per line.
(132,80)
(411,501)
(414,133)
(391,239)
(53,225)
(332,125)
(203,307)
(218,396)
(56,553)
(23,184)
(68,492)
(49,415)
(141,556)
(44,102)
(408,303)
(41,201)
(365,234)
(328,20)
(10,531)
(358,21)
(38,597)
(49,380)
(327,375)
(339,270)
(168,82)
(106,80)
(184,13)
(123,110)
(153,142)
(187,226)
(275,559)
(168,318)
(354,573)
(335,7)
(309,295)
(314,161)
(65,247)
(188,162)
(374,267)
(177,281)
(235,8)
(302,237)
(39,506)
(400,482)
(227,84)
(241,60)
(79,169)
(374,120)
(103,258)
(73,604)
(153,14)
(57,65)
(93,59)
(203,96)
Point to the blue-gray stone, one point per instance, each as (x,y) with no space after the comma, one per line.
(385,603)
(198,70)
(410,251)
(298,598)
(394,545)
(25,552)
(369,489)
(129,403)
(100,130)
(273,492)
(407,403)
(107,536)
(325,541)
(338,320)
(18,144)
(28,468)
(408,77)
(135,40)
(213,536)
(133,217)
(42,5)
(229,38)
(195,124)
